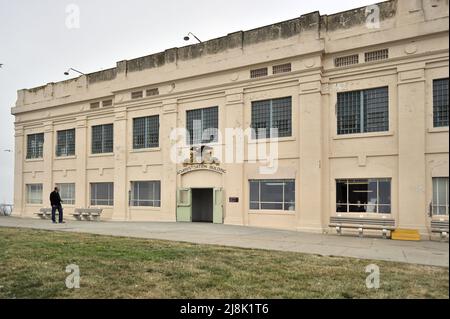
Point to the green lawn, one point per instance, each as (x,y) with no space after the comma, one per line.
(32,265)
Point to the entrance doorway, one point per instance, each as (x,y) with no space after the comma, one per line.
(202,205)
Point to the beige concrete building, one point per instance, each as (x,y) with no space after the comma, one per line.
(360,100)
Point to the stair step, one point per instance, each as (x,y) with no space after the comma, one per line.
(406,235)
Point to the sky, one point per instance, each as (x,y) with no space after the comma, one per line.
(37,46)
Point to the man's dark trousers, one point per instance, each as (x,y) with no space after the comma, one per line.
(60,211)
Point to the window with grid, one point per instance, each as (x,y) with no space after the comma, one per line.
(363,111)
(440,102)
(440,196)
(152,92)
(376,55)
(102,194)
(34,193)
(272,114)
(146,132)
(146,194)
(137,95)
(202,125)
(65,143)
(102,139)
(107,103)
(272,195)
(67,193)
(259,73)
(282,68)
(363,196)
(35,146)
(346,60)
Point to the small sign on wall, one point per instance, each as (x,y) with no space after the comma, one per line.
(234,200)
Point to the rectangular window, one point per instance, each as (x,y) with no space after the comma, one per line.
(146,194)
(102,194)
(259,73)
(376,55)
(272,114)
(203,126)
(282,68)
(440,102)
(35,146)
(440,196)
(34,193)
(102,139)
(152,92)
(67,193)
(363,196)
(346,60)
(107,103)
(137,95)
(65,143)
(95,105)
(146,132)
(363,111)
(272,195)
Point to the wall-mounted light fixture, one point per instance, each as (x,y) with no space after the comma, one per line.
(68,72)
(187,37)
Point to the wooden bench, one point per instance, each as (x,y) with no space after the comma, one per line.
(362,223)
(440,227)
(45,213)
(88,213)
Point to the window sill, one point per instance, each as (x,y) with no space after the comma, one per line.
(365,215)
(272,212)
(272,140)
(142,208)
(438,130)
(146,150)
(34,160)
(34,205)
(362,135)
(61,158)
(101,155)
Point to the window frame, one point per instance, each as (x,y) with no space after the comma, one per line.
(36,151)
(28,189)
(95,201)
(190,137)
(438,122)
(147,133)
(156,202)
(436,206)
(104,149)
(284,203)
(67,200)
(70,149)
(268,130)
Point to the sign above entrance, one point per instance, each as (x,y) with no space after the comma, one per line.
(201,167)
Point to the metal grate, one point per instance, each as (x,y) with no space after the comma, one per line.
(346,60)
(363,111)
(102,194)
(152,92)
(35,146)
(272,114)
(202,125)
(102,139)
(34,193)
(65,143)
(377,55)
(137,95)
(146,194)
(67,193)
(107,103)
(146,132)
(283,68)
(257,73)
(440,102)
(272,195)
(95,105)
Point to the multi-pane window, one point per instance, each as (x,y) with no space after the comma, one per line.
(259,73)
(346,60)
(147,194)
(65,143)
(440,196)
(363,196)
(202,125)
(146,132)
(102,139)
(440,102)
(272,114)
(102,194)
(67,193)
(363,111)
(35,146)
(272,195)
(34,193)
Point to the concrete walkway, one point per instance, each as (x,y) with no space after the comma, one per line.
(425,253)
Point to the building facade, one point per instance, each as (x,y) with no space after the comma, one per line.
(359,100)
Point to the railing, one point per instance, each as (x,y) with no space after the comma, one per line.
(6,209)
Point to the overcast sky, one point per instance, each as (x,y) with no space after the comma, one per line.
(36,46)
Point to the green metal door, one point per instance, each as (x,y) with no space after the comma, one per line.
(184,205)
(218,206)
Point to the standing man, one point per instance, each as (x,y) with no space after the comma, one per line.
(56,201)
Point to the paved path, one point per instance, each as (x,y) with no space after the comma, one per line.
(425,253)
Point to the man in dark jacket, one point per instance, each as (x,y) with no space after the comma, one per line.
(55,201)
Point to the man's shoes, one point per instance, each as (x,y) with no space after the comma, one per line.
(62,222)
(54,222)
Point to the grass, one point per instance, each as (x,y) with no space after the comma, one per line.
(33,263)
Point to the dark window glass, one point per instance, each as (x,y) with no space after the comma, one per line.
(65,143)
(440,102)
(35,146)
(202,125)
(146,132)
(102,139)
(272,114)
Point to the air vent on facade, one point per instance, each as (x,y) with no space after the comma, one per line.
(282,68)
(152,92)
(137,95)
(95,105)
(107,103)
(346,60)
(377,55)
(259,73)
